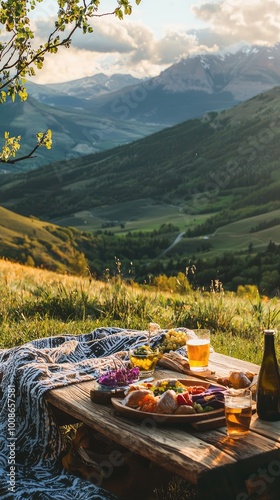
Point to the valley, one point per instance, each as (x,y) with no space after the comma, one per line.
(145,216)
(226,167)
(203,194)
(245,252)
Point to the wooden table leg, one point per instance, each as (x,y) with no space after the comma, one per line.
(251,479)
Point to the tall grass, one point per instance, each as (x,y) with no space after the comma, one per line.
(37,303)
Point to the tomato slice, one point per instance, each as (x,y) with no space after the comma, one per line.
(184,399)
(196,389)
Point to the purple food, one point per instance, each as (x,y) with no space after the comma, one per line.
(213,396)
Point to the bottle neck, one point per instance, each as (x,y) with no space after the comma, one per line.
(269,346)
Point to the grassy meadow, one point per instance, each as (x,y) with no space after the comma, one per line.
(37,303)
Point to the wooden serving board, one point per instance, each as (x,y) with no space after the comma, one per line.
(205,375)
(211,423)
(103,396)
(174,361)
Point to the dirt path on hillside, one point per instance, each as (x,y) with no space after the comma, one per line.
(175,242)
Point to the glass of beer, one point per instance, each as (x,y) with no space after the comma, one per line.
(199,350)
(238,412)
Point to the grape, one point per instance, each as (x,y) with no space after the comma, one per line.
(172,341)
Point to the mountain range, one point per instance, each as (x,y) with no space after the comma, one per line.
(218,80)
(227,161)
(97,113)
(195,86)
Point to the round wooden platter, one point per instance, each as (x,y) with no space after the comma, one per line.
(170,418)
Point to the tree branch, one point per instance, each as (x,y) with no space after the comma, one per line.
(20,56)
(29,155)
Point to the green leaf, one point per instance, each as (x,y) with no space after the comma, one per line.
(23,94)
(10,148)
(45,139)
(119,13)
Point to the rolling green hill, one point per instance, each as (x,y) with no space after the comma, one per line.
(227,161)
(40,244)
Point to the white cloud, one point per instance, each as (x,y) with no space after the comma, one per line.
(254,21)
(130,46)
(68,64)
(114,47)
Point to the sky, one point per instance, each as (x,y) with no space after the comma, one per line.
(156,35)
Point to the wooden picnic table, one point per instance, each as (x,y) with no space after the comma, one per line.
(221,468)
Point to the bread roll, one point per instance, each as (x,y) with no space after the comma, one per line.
(238,380)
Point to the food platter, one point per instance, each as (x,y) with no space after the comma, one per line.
(164,419)
(169,418)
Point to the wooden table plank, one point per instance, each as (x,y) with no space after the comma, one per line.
(199,457)
(223,364)
(268,429)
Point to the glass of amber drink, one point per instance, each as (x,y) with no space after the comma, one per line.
(198,350)
(238,412)
(145,358)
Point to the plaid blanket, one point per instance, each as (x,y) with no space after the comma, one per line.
(30,440)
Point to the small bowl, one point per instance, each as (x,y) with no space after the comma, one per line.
(145,361)
(102,394)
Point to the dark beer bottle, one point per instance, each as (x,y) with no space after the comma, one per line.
(268,386)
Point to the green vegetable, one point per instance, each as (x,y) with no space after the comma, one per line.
(208,408)
(143,350)
(198,408)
